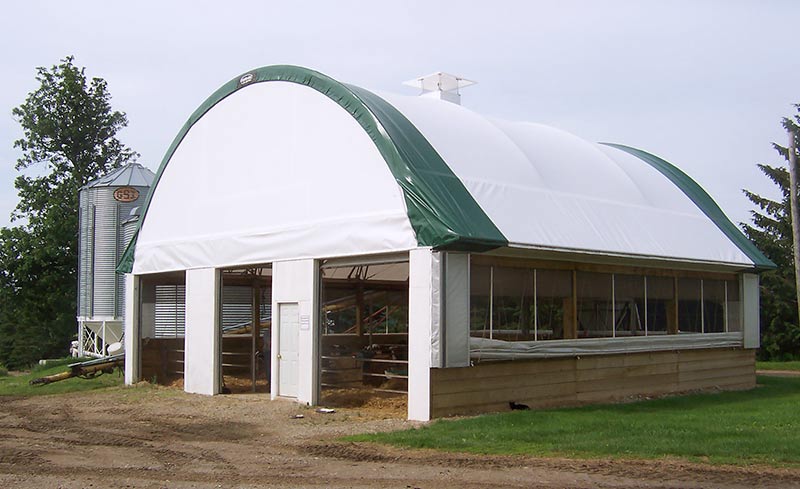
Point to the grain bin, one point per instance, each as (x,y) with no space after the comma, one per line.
(105,204)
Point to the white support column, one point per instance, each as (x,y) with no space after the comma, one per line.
(751,310)
(202,348)
(81,336)
(296,282)
(103,340)
(423,320)
(132,329)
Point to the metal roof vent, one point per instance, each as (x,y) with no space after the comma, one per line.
(441,85)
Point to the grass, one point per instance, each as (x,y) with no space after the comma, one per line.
(760,426)
(18,385)
(778,365)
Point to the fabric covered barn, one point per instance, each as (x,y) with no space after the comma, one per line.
(326,239)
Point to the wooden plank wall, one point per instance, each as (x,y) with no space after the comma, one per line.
(237,354)
(162,359)
(489,387)
(354,343)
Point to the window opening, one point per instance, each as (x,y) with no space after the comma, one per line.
(690,310)
(245,323)
(162,323)
(364,335)
(536,304)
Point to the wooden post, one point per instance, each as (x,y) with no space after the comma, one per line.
(524,316)
(672,309)
(255,327)
(359,307)
(795,212)
(567,319)
(572,332)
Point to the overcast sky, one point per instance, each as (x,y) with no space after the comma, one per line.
(703,84)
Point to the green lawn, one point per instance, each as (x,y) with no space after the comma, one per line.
(18,385)
(758,426)
(778,365)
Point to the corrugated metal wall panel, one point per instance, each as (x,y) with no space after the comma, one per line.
(237,304)
(106,229)
(84,254)
(170,311)
(170,308)
(128,230)
(101,242)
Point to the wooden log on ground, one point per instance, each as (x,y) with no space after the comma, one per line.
(88,369)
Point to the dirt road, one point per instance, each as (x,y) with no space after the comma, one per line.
(143,437)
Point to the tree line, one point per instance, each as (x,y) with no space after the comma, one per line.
(70,138)
(771,231)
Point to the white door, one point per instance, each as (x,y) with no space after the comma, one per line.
(288,339)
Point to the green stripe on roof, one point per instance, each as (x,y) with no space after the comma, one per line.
(702,200)
(442,212)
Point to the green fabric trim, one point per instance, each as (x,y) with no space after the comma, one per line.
(442,212)
(702,200)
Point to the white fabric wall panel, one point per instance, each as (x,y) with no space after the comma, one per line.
(456,316)
(546,188)
(202,342)
(296,282)
(274,171)
(751,305)
(437,333)
(449,316)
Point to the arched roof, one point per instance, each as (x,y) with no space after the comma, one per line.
(441,176)
(546,188)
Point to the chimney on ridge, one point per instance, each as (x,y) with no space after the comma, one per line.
(440,85)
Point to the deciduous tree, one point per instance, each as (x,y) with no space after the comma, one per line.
(69,138)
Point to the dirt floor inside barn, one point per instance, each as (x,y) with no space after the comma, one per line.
(146,437)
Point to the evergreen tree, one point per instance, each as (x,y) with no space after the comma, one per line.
(771,231)
(69,138)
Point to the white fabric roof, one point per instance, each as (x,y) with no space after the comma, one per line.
(544,187)
(275,171)
(279,170)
